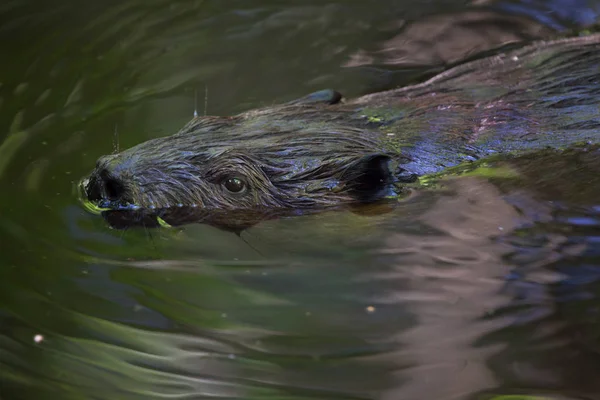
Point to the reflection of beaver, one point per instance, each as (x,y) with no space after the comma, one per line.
(319,151)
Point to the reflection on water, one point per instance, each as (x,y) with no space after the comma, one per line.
(480,287)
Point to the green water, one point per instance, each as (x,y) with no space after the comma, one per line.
(482,288)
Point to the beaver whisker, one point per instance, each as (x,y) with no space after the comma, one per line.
(188,177)
(187,195)
(116,140)
(183,166)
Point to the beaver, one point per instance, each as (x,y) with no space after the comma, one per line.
(323,151)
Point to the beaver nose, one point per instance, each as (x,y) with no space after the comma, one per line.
(103,185)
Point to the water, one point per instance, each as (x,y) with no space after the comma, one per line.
(483,288)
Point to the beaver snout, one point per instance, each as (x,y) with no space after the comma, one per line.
(105,186)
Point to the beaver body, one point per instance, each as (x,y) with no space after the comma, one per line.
(319,151)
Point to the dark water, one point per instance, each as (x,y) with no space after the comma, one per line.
(482,288)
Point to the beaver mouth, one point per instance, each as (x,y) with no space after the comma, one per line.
(120,214)
(106,192)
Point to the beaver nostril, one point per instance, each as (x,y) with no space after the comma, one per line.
(113,188)
(104,186)
(93,189)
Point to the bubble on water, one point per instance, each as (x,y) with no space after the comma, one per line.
(370,309)
(38,338)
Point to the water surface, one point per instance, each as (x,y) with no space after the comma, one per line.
(478,288)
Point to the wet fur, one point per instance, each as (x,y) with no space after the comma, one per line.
(312,154)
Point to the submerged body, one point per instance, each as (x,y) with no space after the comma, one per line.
(320,152)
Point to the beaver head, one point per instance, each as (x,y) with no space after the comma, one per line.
(289,157)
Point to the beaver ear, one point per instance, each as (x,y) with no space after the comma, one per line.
(369,178)
(327,96)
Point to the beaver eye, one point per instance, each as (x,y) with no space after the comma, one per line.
(234,185)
